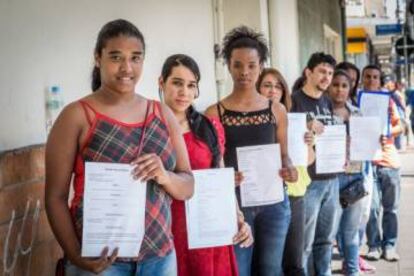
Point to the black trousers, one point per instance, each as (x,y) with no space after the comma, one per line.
(292,257)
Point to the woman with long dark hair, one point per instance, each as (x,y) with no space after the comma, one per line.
(116,125)
(273,86)
(204,137)
(350,216)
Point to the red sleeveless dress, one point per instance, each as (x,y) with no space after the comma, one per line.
(215,261)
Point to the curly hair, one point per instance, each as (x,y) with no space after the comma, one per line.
(244,37)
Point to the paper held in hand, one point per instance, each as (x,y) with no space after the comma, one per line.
(260,166)
(330,150)
(113,210)
(375,104)
(298,150)
(365,137)
(211,212)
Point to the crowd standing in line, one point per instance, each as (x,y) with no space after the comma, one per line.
(165,140)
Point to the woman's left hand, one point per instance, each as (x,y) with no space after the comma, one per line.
(244,237)
(150,166)
(289,174)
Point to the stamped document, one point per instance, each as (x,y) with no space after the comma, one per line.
(365,137)
(260,166)
(113,211)
(298,150)
(331,150)
(375,104)
(211,212)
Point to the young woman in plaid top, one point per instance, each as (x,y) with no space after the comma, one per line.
(106,126)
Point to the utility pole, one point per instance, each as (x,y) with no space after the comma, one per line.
(405,33)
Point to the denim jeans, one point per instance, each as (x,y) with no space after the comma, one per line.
(386,192)
(321,208)
(160,266)
(366,201)
(348,232)
(293,253)
(269,226)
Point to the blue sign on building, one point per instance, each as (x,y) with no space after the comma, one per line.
(388,29)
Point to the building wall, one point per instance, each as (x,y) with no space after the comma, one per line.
(284,38)
(51,42)
(21,179)
(243,12)
(313,14)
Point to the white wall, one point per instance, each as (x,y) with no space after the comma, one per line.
(278,21)
(46,42)
(244,12)
(284,37)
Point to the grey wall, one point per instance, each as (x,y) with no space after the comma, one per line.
(313,14)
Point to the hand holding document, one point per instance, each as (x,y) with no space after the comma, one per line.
(375,104)
(365,134)
(298,150)
(113,211)
(211,213)
(260,166)
(331,150)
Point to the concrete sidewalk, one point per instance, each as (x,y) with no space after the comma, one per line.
(405,267)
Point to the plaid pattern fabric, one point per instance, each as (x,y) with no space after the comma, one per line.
(118,143)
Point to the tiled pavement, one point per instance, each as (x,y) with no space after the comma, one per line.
(405,267)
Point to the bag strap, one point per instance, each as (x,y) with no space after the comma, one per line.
(141,140)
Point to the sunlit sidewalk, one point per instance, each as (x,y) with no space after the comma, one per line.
(405,267)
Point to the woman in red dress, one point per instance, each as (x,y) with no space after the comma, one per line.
(205,144)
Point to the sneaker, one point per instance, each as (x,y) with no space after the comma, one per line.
(391,255)
(374,254)
(365,267)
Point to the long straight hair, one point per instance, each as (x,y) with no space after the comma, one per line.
(200,126)
(286,100)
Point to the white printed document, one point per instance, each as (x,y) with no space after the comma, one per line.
(211,214)
(331,149)
(298,150)
(375,104)
(260,166)
(113,211)
(365,137)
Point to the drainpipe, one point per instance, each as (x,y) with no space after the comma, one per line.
(342,5)
(271,8)
(218,21)
(284,37)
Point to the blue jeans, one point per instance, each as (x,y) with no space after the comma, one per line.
(162,266)
(386,192)
(348,232)
(269,226)
(321,208)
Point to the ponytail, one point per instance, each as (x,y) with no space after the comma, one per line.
(204,130)
(96,79)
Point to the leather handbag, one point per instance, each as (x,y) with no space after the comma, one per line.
(354,191)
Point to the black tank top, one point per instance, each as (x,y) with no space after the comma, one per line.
(246,129)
